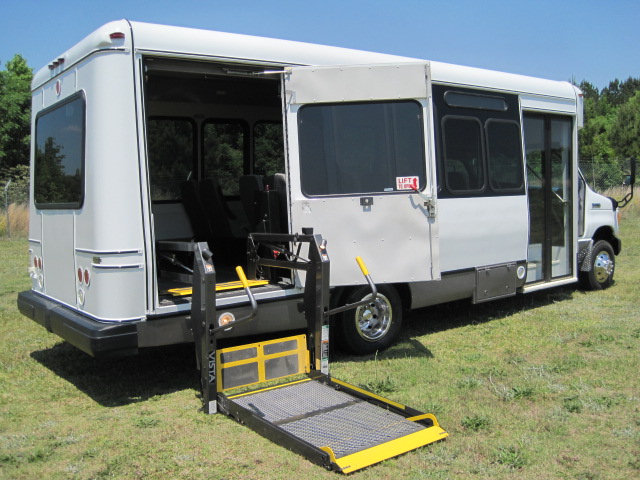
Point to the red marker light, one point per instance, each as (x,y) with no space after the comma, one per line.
(79,275)
(116,35)
(87,278)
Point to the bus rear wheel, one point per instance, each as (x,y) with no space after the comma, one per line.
(373,326)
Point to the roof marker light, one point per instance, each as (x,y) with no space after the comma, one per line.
(116,35)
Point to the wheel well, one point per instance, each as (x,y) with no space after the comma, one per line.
(606,233)
(405,295)
(338,294)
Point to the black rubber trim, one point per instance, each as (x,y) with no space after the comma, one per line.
(99,340)
(616,243)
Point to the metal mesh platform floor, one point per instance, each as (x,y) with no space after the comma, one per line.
(325,417)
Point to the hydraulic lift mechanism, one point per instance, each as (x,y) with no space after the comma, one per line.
(339,426)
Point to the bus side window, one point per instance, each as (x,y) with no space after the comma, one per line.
(361,147)
(59,155)
(171,150)
(504,155)
(268,148)
(225,153)
(463,154)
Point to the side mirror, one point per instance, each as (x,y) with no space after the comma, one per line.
(632,179)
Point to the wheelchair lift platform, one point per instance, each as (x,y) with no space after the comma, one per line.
(293,400)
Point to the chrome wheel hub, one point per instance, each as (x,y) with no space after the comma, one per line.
(602,267)
(374,318)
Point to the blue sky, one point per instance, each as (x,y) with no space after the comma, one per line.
(556,39)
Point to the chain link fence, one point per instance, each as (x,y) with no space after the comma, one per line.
(14,206)
(604,174)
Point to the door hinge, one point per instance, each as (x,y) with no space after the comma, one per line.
(428,202)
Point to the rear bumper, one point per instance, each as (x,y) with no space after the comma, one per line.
(97,339)
(102,339)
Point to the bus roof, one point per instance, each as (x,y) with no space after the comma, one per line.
(170,41)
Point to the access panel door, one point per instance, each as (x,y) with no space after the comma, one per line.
(360,168)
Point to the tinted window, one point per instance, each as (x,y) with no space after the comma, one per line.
(481,102)
(59,156)
(268,148)
(463,159)
(360,148)
(504,155)
(171,156)
(224,153)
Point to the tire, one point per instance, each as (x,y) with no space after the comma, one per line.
(603,261)
(372,327)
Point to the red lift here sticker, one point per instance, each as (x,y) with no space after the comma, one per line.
(407,183)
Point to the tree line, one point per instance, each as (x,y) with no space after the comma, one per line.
(612,120)
(611,128)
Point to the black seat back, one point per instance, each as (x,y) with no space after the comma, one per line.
(215,208)
(250,187)
(195,212)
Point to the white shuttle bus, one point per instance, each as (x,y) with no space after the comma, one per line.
(451,182)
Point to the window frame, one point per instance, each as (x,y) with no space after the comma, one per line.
(442,110)
(77,205)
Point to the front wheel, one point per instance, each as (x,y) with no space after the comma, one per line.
(603,262)
(373,326)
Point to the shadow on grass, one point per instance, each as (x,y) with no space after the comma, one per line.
(405,347)
(438,318)
(164,370)
(122,381)
(461,313)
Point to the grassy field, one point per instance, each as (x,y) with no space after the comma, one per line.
(18,221)
(541,386)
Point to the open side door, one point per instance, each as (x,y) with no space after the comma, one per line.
(361,167)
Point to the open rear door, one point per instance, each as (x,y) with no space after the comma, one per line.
(361,168)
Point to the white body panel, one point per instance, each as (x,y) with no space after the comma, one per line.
(57,251)
(105,235)
(598,213)
(482,231)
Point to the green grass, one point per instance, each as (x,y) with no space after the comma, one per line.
(541,386)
